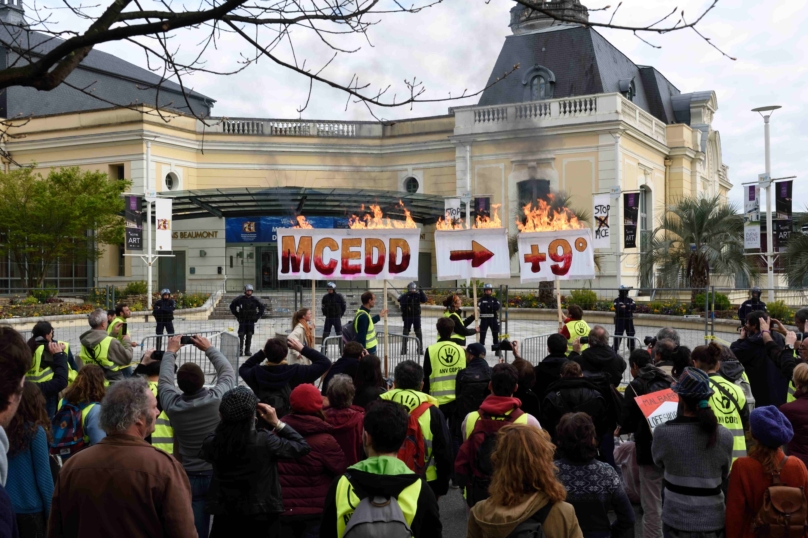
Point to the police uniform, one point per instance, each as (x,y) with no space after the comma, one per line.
(624,308)
(489,306)
(333,308)
(163,312)
(750,305)
(411,315)
(248,310)
(728,402)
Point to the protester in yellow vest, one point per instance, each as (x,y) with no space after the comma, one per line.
(442,361)
(48,370)
(97,347)
(453,303)
(149,367)
(438,457)
(575,327)
(116,326)
(728,400)
(364,323)
(800,354)
(383,477)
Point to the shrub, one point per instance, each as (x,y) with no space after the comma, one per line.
(779,310)
(30,300)
(138,287)
(136,307)
(586,299)
(192,300)
(42,295)
(721,301)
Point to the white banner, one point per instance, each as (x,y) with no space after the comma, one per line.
(345,254)
(451,209)
(564,254)
(751,236)
(751,216)
(601,208)
(475,253)
(162,212)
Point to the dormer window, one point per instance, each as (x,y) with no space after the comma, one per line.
(628,88)
(538,88)
(538,84)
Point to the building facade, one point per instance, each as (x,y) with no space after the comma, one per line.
(603,125)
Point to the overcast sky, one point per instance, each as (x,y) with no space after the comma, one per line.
(453,46)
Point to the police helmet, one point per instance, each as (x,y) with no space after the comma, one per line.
(249,287)
(331,286)
(165,291)
(412,286)
(623,291)
(756,290)
(488,287)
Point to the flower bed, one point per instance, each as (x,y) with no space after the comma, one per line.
(40,310)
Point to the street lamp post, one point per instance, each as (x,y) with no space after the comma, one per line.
(766,113)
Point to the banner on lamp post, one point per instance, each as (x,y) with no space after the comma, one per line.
(348,254)
(133,218)
(601,208)
(562,255)
(751,217)
(782,225)
(162,212)
(631,210)
(476,253)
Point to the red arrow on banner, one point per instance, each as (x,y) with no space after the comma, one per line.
(478,254)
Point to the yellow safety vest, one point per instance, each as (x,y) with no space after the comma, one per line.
(84,413)
(791,388)
(347,501)
(474,416)
(100,352)
(35,375)
(454,316)
(446,358)
(163,436)
(727,414)
(370,339)
(411,399)
(577,329)
(117,321)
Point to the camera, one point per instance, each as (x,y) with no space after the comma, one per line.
(650,341)
(503,345)
(584,339)
(186,339)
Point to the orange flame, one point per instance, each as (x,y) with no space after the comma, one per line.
(479,222)
(543,219)
(375,219)
(303,223)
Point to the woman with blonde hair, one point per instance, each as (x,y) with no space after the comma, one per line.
(303,332)
(797,413)
(524,489)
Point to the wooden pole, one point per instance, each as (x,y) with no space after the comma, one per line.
(313,305)
(476,313)
(558,303)
(386,337)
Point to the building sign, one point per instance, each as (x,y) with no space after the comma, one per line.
(562,255)
(134,223)
(751,216)
(362,254)
(162,217)
(782,225)
(601,208)
(631,210)
(203,234)
(264,229)
(475,253)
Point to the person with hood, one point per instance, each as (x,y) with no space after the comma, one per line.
(473,462)
(49,367)
(98,347)
(523,487)
(245,497)
(411,302)
(751,305)
(797,413)
(732,370)
(347,364)
(574,393)
(760,353)
(247,309)
(471,384)
(753,475)
(163,313)
(333,307)
(345,417)
(624,308)
(382,474)
(407,385)
(599,357)
(305,481)
(646,379)
(548,370)
(453,305)
(276,378)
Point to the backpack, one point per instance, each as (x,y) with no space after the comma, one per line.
(348,333)
(784,510)
(68,430)
(413,449)
(473,390)
(747,391)
(376,517)
(277,398)
(484,438)
(532,527)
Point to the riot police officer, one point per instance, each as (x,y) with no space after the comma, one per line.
(624,308)
(248,310)
(333,306)
(489,306)
(751,305)
(163,312)
(411,314)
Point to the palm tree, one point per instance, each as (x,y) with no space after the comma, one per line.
(698,237)
(796,255)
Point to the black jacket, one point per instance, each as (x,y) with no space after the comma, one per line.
(602,359)
(460,328)
(247,308)
(248,483)
(488,305)
(344,365)
(624,308)
(51,389)
(163,309)
(748,306)
(548,371)
(275,376)
(651,379)
(411,302)
(768,375)
(333,305)
(471,386)
(573,395)
(530,401)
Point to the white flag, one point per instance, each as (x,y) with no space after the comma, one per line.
(601,209)
(475,253)
(162,211)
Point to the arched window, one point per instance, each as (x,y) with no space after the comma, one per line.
(411,185)
(538,88)
(538,84)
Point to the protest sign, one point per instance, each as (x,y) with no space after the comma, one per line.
(475,253)
(601,209)
(658,407)
(557,254)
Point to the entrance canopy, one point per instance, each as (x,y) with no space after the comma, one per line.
(290,201)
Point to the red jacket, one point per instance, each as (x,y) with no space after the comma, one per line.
(305,481)
(797,414)
(348,430)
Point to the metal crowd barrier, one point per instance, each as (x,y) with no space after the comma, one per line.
(332,348)
(225,342)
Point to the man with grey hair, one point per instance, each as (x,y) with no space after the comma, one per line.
(97,347)
(668,333)
(600,357)
(123,486)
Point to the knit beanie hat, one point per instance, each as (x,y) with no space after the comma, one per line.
(476,350)
(693,383)
(306,399)
(190,378)
(770,427)
(238,404)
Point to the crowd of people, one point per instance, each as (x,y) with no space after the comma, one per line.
(293,444)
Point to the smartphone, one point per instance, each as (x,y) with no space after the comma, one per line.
(185,340)
(584,339)
(123,329)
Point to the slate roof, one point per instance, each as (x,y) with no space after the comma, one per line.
(583,62)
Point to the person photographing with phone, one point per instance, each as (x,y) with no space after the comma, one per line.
(119,326)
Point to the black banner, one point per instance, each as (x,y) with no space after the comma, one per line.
(782,225)
(631,210)
(134,223)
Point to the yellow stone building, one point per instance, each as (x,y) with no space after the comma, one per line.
(577,116)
